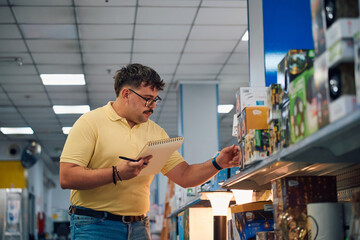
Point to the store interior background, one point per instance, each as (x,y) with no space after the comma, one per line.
(193,41)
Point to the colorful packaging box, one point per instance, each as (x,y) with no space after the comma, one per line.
(274,101)
(242,154)
(274,137)
(253,118)
(257,146)
(290,196)
(285,125)
(218,179)
(251,97)
(318,26)
(250,218)
(302,96)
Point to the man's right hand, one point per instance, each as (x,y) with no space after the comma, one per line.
(129,169)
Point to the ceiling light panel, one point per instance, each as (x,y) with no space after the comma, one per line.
(63,79)
(13,130)
(71,109)
(226,108)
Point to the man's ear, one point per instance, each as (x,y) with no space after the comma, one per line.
(124,93)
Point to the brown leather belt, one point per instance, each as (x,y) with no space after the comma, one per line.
(104,215)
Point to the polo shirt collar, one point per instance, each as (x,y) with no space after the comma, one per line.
(110,112)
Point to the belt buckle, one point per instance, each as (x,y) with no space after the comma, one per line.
(123,219)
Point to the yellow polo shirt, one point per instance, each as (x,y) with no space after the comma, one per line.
(95,141)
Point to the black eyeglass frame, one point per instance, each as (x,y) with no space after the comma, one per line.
(148,101)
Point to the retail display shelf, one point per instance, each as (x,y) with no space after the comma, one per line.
(197,202)
(332,148)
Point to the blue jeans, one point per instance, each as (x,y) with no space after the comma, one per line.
(90,228)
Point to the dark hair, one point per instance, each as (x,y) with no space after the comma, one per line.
(134,75)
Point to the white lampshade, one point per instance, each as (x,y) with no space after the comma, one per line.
(219,202)
(242,196)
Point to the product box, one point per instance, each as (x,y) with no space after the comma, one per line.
(285,125)
(344,28)
(252,96)
(338,9)
(218,179)
(250,218)
(342,90)
(290,196)
(274,101)
(274,137)
(271,235)
(242,154)
(318,26)
(302,98)
(257,146)
(240,128)
(181,225)
(341,51)
(235,131)
(253,118)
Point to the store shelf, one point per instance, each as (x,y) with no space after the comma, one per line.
(197,202)
(332,148)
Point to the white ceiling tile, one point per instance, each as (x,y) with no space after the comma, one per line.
(49,31)
(167,3)
(23,88)
(222,3)
(161,15)
(110,46)
(53,46)
(9,31)
(154,32)
(114,58)
(224,16)
(210,46)
(239,58)
(172,46)
(105,4)
(98,69)
(15,69)
(217,32)
(7,110)
(101,86)
(243,47)
(156,58)
(207,58)
(12,46)
(19,79)
(37,111)
(236,69)
(105,31)
(29,99)
(68,98)
(44,15)
(65,89)
(112,15)
(5,15)
(57,58)
(163,69)
(100,79)
(42,2)
(199,69)
(60,69)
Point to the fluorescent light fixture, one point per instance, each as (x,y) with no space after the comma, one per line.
(226,108)
(63,79)
(16,130)
(245,37)
(66,130)
(71,109)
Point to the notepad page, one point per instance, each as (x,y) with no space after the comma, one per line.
(161,150)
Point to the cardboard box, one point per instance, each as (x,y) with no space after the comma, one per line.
(342,91)
(344,28)
(291,194)
(341,51)
(302,106)
(256,146)
(253,118)
(321,78)
(252,96)
(250,218)
(338,9)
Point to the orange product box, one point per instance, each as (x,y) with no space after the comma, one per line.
(253,118)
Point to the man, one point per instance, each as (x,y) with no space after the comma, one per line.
(108,198)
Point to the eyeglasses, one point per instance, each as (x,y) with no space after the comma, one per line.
(149,101)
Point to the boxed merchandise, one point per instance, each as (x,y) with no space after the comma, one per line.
(250,218)
(302,97)
(285,126)
(342,91)
(344,28)
(292,194)
(240,128)
(321,77)
(337,9)
(218,179)
(341,51)
(251,97)
(274,101)
(253,118)
(271,235)
(235,131)
(242,154)
(318,26)
(274,137)
(256,146)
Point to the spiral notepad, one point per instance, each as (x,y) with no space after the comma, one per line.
(161,151)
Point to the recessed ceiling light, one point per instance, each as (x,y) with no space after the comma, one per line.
(66,130)
(245,37)
(71,109)
(226,108)
(16,130)
(63,79)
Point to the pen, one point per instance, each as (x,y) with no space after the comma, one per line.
(129,159)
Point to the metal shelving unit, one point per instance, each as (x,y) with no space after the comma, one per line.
(331,150)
